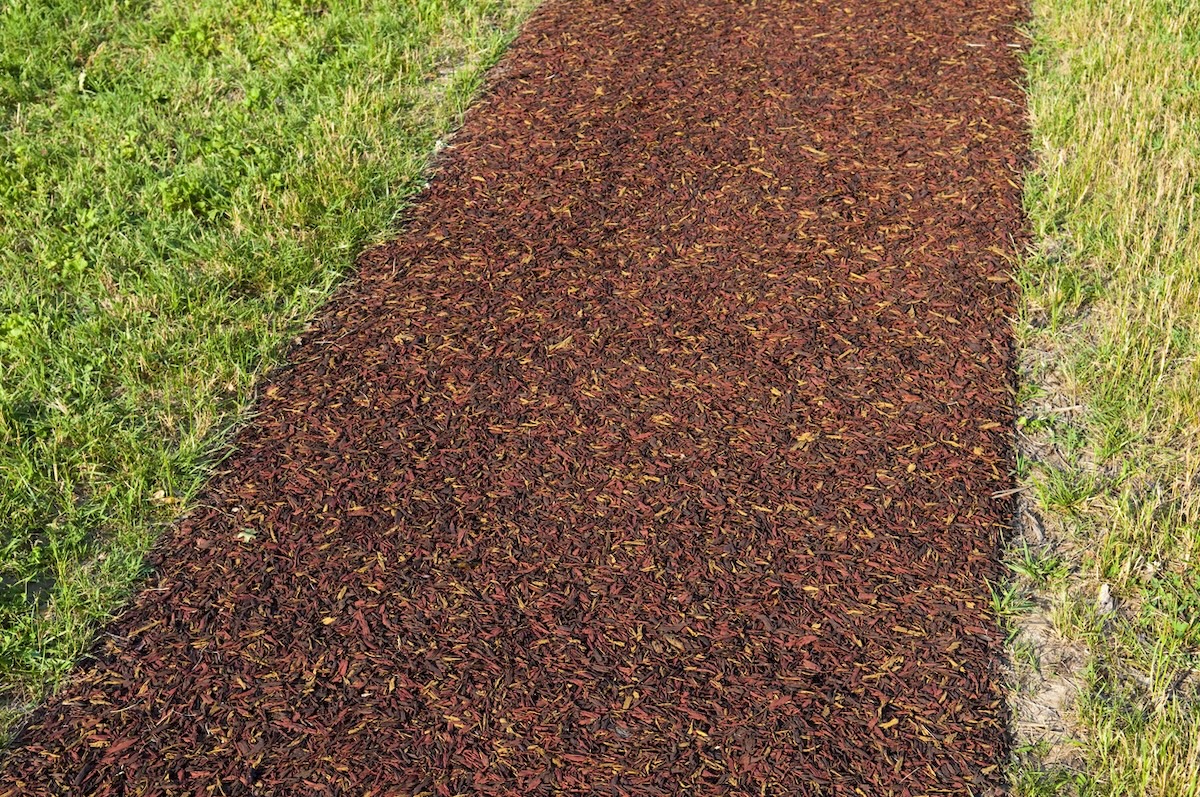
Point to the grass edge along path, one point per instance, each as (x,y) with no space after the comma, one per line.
(1109,341)
(181,185)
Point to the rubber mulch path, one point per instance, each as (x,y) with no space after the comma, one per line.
(656,456)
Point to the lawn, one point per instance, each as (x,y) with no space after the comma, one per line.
(1109,339)
(181,184)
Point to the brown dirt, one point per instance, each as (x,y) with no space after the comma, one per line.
(655,457)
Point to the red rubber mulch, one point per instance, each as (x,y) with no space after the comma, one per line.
(656,457)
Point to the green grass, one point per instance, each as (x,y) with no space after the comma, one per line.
(181,184)
(1109,333)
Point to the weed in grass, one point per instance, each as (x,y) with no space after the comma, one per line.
(1065,489)
(1024,466)
(1041,567)
(1049,782)
(1028,393)
(1023,653)
(1009,602)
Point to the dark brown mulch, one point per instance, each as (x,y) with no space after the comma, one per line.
(656,457)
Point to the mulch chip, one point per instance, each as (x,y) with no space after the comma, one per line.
(655,457)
